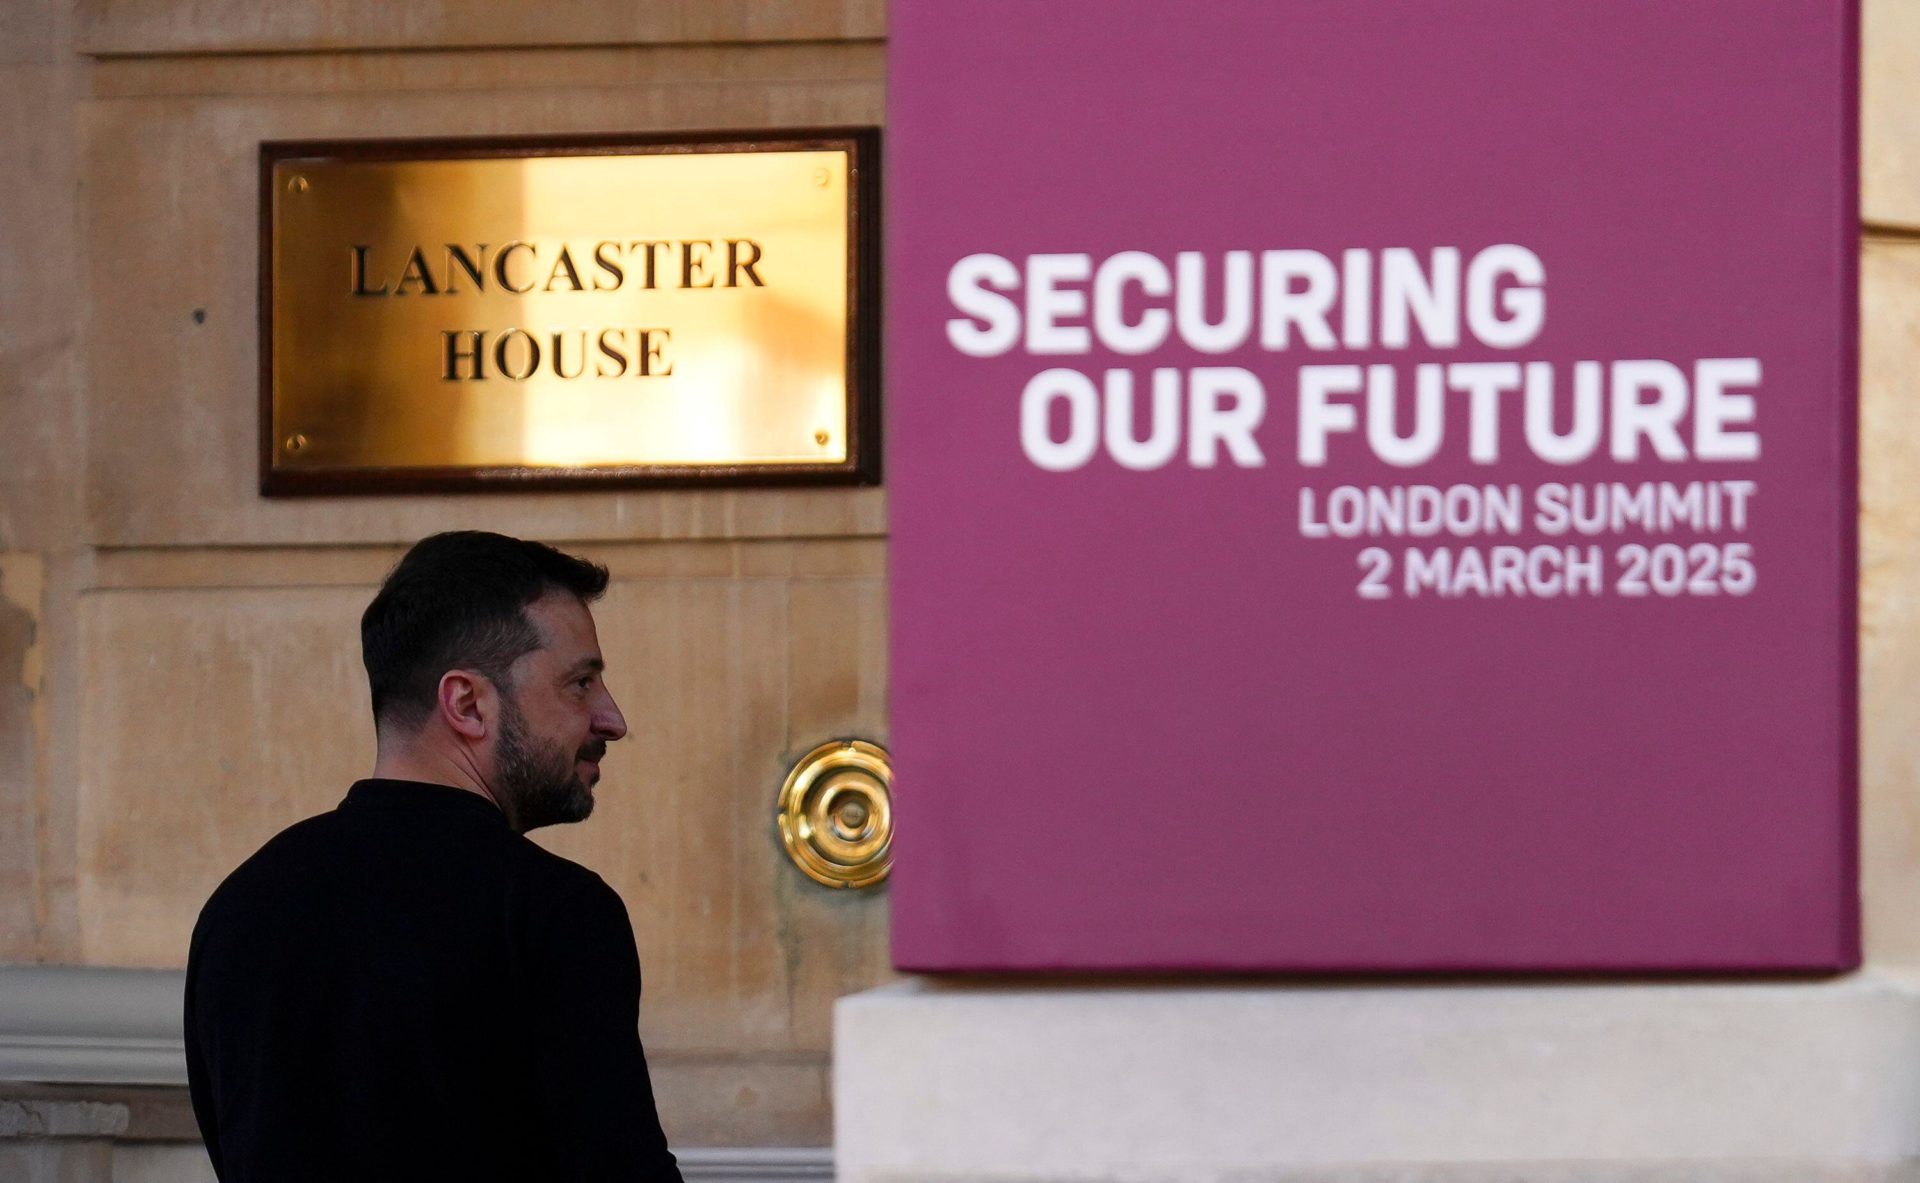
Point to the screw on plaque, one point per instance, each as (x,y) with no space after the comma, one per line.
(297,185)
(296,442)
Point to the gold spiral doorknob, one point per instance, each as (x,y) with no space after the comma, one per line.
(836,814)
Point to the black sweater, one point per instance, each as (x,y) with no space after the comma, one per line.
(405,989)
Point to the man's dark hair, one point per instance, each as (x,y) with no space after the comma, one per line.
(458,601)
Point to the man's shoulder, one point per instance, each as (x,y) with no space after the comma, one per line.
(263,881)
(322,838)
(327,861)
(559,877)
(581,920)
(299,843)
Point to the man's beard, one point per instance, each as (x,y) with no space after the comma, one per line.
(536,778)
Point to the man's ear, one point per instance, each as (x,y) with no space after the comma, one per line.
(465,703)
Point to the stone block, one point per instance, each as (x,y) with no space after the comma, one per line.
(1889,600)
(1245,1081)
(1889,101)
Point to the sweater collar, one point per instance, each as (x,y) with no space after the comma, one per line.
(380,793)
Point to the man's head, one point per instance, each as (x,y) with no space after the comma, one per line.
(485,668)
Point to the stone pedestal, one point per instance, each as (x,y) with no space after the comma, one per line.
(1781,1082)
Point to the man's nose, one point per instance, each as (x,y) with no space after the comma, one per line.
(608,723)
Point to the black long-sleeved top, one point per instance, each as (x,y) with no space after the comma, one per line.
(405,989)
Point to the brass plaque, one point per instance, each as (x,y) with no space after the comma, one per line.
(498,315)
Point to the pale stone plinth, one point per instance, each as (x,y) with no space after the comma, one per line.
(1766,1081)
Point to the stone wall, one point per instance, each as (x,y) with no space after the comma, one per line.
(1889,508)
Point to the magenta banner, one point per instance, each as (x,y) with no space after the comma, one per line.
(1372,485)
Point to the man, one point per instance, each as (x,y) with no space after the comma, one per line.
(406,988)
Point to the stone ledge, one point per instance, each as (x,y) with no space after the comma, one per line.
(61,1119)
(85,1024)
(1241,1082)
(1693,1171)
(152,1113)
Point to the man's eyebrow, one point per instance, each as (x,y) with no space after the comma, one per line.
(586,665)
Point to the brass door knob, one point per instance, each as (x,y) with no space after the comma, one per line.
(836,814)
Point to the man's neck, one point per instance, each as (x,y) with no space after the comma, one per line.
(429,767)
